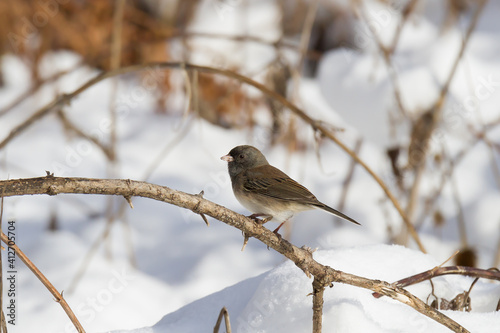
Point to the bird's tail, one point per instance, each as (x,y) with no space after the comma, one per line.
(337,213)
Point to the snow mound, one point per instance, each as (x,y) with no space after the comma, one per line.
(280,300)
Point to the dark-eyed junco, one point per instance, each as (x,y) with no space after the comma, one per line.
(268,191)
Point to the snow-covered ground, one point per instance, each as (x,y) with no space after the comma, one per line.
(278,301)
(185,271)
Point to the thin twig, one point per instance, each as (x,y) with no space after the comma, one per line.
(223,313)
(472,26)
(412,200)
(496,261)
(115,62)
(304,43)
(58,297)
(297,72)
(448,270)
(167,149)
(436,112)
(460,215)
(280,43)
(164,32)
(71,126)
(35,87)
(88,257)
(492,146)
(453,162)
(434,116)
(348,178)
(432,199)
(386,54)
(410,6)
(116,41)
(3,322)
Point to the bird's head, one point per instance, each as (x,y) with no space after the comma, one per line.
(242,158)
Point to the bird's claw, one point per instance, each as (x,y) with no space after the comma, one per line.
(266,219)
(277,234)
(255,217)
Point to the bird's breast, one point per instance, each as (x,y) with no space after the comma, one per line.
(256,203)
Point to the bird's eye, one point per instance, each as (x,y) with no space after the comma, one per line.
(242,156)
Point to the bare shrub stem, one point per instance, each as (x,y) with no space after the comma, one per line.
(58,296)
(302,257)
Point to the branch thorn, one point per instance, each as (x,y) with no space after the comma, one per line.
(195,208)
(129,201)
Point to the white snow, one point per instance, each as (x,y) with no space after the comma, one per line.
(279,301)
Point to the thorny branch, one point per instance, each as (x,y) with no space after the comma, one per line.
(302,257)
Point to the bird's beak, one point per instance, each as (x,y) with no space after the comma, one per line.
(227,158)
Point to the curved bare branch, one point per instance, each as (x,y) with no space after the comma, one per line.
(302,257)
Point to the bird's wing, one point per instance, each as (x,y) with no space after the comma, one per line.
(272,182)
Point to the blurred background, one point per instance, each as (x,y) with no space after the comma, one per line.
(411,88)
